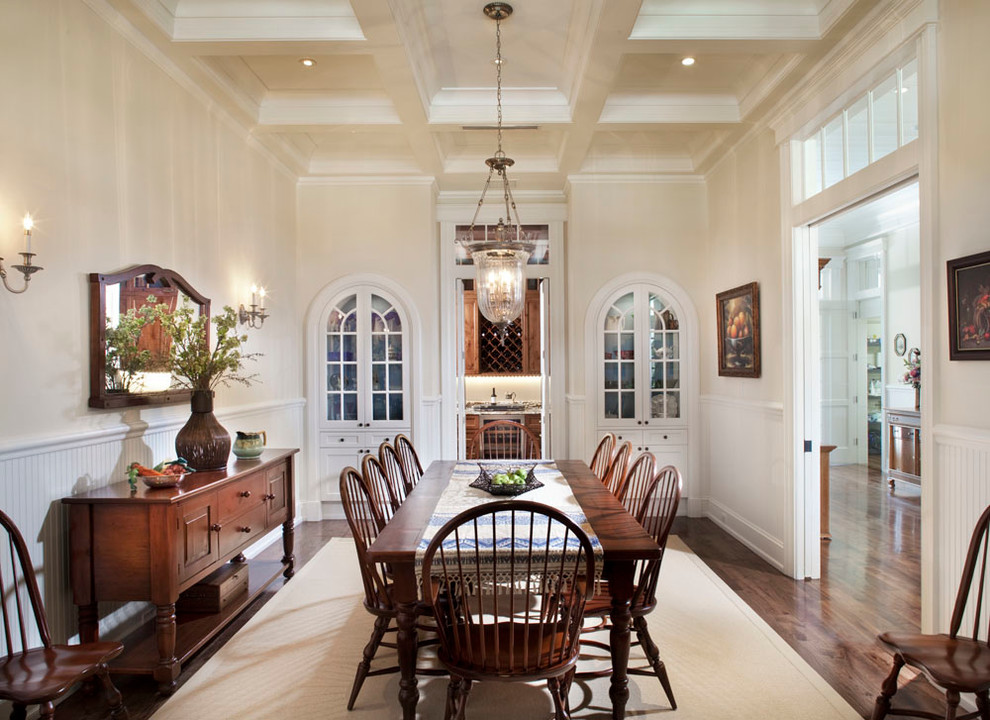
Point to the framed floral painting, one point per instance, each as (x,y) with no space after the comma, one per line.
(969,307)
(738,312)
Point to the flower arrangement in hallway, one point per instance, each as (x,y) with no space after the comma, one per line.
(913,364)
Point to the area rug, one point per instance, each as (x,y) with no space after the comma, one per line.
(296,658)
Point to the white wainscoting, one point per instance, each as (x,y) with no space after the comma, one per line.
(960,492)
(744,488)
(36,474)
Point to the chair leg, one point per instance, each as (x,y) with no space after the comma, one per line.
(18,712)
(377,633)
(653,655)
(463,690)
(559,687)
(983,704)
(116,700)
(887,690)
(951,704)
(47,710)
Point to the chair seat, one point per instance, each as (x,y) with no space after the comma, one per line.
(43,674)
(960,664)
(519,647)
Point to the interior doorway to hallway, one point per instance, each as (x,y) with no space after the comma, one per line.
(869,303)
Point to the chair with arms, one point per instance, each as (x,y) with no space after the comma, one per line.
(523,622)
(410,460)
(656,515)
(392,465)
(638,480)
(383,494)
(603,455)
(41,675)
(504,440)
(955,662)
(615,476)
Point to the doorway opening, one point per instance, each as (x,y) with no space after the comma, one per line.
(503,377)
(869,306)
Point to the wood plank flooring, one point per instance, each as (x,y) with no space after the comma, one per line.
(871,583)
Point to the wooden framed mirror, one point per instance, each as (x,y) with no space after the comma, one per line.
(111,296)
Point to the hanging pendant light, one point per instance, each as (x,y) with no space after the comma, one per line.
(500,256)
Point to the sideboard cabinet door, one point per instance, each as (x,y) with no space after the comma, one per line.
(198,537)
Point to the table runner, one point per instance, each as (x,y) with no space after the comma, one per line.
(556,492)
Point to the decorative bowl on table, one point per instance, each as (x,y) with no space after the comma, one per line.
(163,481)
(512,480)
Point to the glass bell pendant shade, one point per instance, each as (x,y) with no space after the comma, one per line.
(501,285)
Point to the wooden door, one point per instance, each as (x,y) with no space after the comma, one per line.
(470,332)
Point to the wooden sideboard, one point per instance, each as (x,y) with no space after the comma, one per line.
(150,545)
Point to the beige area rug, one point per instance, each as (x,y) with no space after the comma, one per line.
(296,659)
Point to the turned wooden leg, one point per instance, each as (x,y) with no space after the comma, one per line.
(887,690)
(377,633)
(620,585)
(167,669)
(983,704)
(239,558)
(288,543)
(453,691)
(116,700)
(951,704)
(406,642)
(47,710)
(462,698)
(18,712)
(653,655)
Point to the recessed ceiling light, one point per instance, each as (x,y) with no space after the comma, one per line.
(688,61)
(307,62)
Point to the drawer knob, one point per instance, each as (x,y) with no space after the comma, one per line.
(638,449)
(246,494)
(246,529)
(664,437)
(639,422)
(619,437)
(216,527)
(340,440)
(269,496)
(646,422)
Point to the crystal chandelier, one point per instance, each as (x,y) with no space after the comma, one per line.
(500,256)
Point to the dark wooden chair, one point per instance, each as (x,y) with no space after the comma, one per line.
(615,476)
(524,625)
(602,458)
(409,459)
(392,465)
(656,515)
(383,494)
(41,675)
(504,440)
(955,662)
(365,523)
(638,480)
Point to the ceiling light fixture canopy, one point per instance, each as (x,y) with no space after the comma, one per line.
(501,253)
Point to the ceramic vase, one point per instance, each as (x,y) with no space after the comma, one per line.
(203,441)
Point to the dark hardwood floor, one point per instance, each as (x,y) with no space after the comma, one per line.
(871,582)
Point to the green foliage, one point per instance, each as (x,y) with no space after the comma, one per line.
(123,358)
(193,362)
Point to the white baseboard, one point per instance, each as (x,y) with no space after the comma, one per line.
(769,548)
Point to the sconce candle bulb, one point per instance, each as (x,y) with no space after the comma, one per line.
(255,317)
(26,268)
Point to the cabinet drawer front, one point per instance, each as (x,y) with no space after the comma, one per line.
(242,495)
(278,506)
(243,530)
(660,438)
(376,437)
(345,439)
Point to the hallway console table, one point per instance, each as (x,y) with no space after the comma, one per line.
(150,545)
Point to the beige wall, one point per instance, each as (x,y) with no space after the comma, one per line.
(122,166)
(963,389)
(386,230)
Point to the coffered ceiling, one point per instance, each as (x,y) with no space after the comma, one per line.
(406,88)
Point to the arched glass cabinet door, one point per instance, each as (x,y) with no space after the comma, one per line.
(366,369)
(640,356)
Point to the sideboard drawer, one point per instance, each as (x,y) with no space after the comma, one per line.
(243,530)
(242,495)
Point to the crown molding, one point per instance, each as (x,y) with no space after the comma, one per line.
(761,90)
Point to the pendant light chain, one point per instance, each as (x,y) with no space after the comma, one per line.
(498,81)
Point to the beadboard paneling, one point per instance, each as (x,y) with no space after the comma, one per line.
(33,480)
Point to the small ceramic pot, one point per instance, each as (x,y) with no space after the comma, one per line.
(249,445)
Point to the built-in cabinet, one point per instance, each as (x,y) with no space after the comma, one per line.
(484,351)
(366,380)
(640,384)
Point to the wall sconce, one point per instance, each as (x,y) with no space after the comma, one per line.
(255,317)
(27,269)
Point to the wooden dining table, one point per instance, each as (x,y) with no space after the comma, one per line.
(623,543)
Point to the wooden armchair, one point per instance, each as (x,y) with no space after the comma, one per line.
(392,465)
(615,476)
(504,440)
(602,458)
(521,623)
(955,662)
(384,495)
(411,465)
(41,675)
(636,486)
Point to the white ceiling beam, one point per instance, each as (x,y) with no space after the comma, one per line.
(730,27)
(270,29)
(474,106)
(339,108)
(669,108)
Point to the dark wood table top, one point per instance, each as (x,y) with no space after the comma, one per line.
(621,537)
(192,484)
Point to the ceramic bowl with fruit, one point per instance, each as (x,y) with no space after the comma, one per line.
(163,475)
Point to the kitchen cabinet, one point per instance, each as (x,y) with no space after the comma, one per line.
(365,383)
(484,352)
(152,544)
(639,371)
